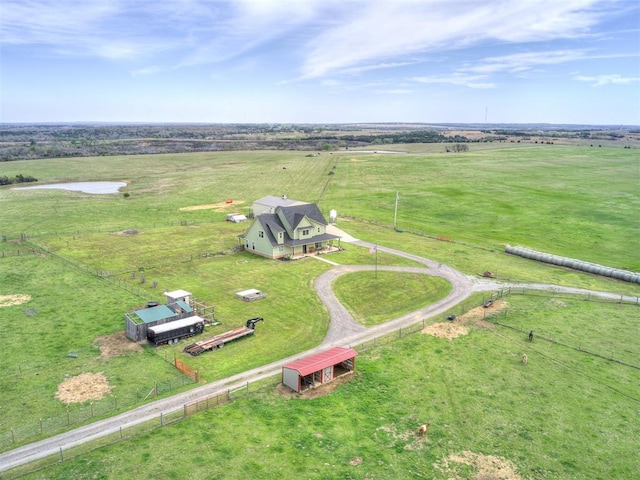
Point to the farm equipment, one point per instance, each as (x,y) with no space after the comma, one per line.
(171,332)
(219,341)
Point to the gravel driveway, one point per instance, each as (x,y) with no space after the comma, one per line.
(343,331)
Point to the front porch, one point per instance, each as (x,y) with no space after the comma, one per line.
(311,251)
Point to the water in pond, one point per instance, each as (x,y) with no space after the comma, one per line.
(86,187)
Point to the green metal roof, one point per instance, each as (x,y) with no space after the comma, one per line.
(184,306)
(154,314)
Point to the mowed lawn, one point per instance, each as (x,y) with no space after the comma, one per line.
(574,201)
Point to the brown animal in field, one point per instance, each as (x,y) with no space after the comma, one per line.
(525,359)
(423,429)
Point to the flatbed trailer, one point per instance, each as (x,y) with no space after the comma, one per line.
(218,341)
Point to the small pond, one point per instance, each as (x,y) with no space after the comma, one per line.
(86,187)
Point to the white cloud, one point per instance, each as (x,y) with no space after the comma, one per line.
(396,91)
(325,37)
(601,80)
(460,79)
(146,71)
(94,28)
(380,30)
(520,62)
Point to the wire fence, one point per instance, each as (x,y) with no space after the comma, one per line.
(127,433)
(86,412)
(130,281)
(5,236)
(505,318)
(77,414)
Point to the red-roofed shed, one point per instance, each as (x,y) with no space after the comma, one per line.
(318,369)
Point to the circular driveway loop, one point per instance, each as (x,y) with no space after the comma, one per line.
(343,331)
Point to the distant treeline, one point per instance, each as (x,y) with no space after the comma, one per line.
(24,142)
(420,136)
(31,141)
(4,180)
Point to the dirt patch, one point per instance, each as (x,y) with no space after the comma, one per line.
(322,390)
(116,345)
(446,330)
(84,387)
(212,206)
(10,300)
(128,232)
(486,467)
(477,315)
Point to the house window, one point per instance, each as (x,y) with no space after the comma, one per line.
(280,249)
(305,233)
(318,229)
(261,234)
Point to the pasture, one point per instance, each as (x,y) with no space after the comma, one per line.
(573,201)
(566,415)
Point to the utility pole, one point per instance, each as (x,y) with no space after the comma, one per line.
(395,215)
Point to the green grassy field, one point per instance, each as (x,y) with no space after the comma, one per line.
(574,201)
(565,415)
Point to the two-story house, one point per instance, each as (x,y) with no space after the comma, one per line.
(290,231)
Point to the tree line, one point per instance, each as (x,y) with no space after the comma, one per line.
(4,180)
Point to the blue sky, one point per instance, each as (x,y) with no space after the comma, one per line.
(321,61)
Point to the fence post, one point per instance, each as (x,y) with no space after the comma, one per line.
(61,456)
(13,436)
(120,432)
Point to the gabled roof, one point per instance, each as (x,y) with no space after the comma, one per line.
(296,213)
(270,223)
(317,362)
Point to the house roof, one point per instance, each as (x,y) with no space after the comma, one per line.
(271,223)
(296,213)
(306,241)
(154,314)
(273,201)
(321,360)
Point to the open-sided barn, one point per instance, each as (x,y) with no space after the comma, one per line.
(319,369)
